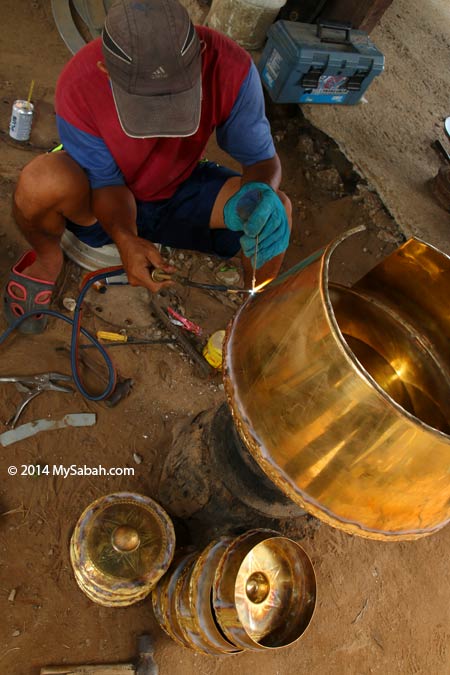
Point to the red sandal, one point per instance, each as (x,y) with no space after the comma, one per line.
(26,294)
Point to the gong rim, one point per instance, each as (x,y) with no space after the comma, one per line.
(224,587)
(196,615)
(164,597)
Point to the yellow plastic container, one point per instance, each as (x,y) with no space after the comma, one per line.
(212,351)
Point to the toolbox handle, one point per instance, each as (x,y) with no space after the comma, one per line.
(345,27)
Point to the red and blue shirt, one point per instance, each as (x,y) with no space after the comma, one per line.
(153,168)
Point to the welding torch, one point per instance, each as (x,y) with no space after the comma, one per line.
(159,275)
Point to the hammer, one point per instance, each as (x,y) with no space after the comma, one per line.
(145,664)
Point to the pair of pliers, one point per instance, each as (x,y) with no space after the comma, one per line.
(33,385)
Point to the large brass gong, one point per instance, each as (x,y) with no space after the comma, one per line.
(342,395)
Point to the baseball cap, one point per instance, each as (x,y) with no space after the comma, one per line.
(152,53)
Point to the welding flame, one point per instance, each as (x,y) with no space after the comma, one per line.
(259,288)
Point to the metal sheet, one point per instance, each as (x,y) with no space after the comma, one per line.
(66,25)
(93,13)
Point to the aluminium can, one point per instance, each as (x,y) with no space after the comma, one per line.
(21,120)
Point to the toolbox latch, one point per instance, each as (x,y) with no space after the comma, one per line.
(355,81)
(311,79)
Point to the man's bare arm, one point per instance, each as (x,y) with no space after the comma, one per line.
(115,209)
(268,171)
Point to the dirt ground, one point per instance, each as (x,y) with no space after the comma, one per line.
(382,608)
(390,136)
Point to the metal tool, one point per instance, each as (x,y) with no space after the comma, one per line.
(438,146)
(33,385)
(118,340)
(144,666)
(122,390)
(254,264)
(447,126)
(159,276)
(132,342)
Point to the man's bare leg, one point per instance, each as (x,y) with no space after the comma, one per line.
(271,268)
(50,189)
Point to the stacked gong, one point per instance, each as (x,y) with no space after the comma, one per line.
(256,591)
(121,546)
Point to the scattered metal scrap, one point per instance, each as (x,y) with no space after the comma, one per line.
(33,428)
(91,12)
(158,306)
(66,25)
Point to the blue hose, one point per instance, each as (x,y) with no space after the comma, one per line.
(76,330)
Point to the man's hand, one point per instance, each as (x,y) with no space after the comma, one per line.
(139,256)
(257,211)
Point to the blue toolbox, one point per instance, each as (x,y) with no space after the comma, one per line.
(324,63)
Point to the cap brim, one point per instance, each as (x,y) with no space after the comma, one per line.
(171,115)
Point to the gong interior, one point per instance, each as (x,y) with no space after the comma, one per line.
(396,354)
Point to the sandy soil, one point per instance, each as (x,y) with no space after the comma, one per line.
(389,138)
(382,608)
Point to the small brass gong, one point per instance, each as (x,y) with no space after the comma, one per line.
(121,546)
(264,591)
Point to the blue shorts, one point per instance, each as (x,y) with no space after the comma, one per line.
(182,221)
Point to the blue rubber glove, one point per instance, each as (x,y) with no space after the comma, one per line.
(256,210)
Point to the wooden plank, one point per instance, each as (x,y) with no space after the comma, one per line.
(362,14)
